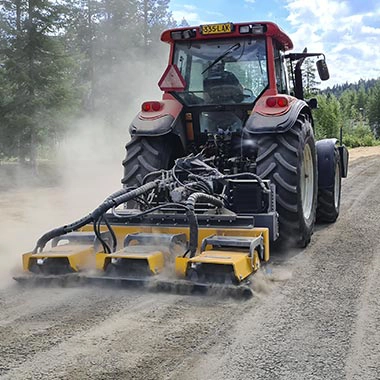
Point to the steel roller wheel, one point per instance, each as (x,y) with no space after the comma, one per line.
(289,161)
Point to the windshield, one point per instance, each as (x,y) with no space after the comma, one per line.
(227,71)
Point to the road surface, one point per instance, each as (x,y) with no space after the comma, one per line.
(316,317)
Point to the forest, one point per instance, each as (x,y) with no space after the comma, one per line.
(65,61)
(353,107)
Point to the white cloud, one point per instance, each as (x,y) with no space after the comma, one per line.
(192,14)
(332,27)
(191,17)
(189,7)
(250,1)
(370,30)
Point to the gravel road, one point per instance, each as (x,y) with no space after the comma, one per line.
(316,317)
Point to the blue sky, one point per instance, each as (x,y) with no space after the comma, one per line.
(348,32)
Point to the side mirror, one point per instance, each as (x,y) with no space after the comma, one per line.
(323,70)
(313,103)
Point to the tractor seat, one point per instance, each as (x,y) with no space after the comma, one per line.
(223,87)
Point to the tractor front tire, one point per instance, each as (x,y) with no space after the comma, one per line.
(289,160)
(329,199)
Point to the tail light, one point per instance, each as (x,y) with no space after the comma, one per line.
(151,106)
(279,101)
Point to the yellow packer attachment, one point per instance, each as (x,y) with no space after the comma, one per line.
(224,259)
(223,265)
(189,234)
(68,256)
(144,254)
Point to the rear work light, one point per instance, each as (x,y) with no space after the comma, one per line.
(183,34)
(279,101)
(244,29)
(252,29)
(151,106)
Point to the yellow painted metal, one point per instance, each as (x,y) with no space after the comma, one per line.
(101,259)
(256,261)
(155,259)
(181,266)
(203,232)
(80,256)
(240,261)
(25,261)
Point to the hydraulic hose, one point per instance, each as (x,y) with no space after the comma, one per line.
(252,175)
(112,201)
(193,221)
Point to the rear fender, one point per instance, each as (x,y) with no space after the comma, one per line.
(275,120)
(153,124)
(326,162)
(343,152)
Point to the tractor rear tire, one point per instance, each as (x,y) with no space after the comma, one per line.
(146,155)
(329,199)
(289,160)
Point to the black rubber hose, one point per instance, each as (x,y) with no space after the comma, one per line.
(96,228)
(252,175)
(118,200)
(61,231)
(202,180)
(112,232)
(195,197)
(193,227)
(120,192)
(193,221)
(96,214)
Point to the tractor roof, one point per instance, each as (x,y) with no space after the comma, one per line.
(228,30)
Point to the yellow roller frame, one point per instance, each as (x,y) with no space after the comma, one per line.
(155,259)
(242,263)
(79,256)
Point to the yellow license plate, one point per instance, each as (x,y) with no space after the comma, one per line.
(217,28)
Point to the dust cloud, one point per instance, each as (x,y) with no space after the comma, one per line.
(87,168)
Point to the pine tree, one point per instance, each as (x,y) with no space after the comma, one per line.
(115,41)
(374,109)
(310,82)
(38,74)
(328,117)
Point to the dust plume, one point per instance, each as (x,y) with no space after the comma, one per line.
(85,170)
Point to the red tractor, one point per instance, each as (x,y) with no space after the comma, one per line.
(225,163)
(227,96)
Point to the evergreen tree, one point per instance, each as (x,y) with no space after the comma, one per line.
(183,23)
(115,43)
(374,109)
(38,75)
(309,78)
(328,117)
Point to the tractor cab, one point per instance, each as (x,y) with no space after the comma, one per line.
(222,70)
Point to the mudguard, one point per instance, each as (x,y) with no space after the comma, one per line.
(343,152)
(152,124)
(326,163)
(152,127)
(268,122)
